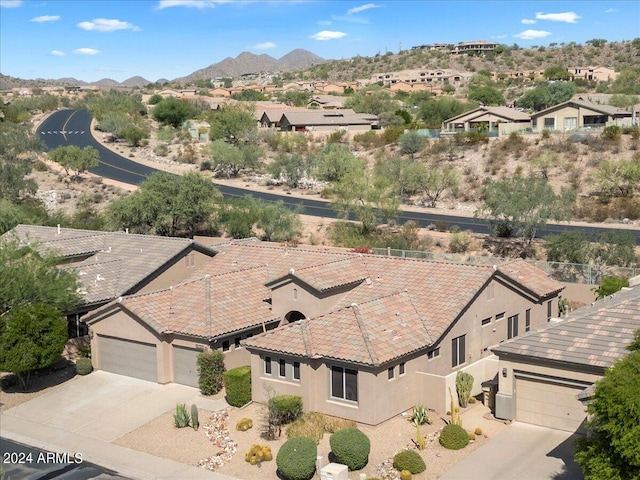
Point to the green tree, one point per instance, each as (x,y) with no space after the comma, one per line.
(172,111)
(167,205)
(628,81)
(279,223)
(72,157)
(411,143)
(556,72)
(31,337)
(433,112)
(611,451)
(17,141)
(524,205)
(227,159)
(409,176)
(618,178)
(437,180)
(291,168)
(334,162)
(249,96)
(295,98)
(133,135)
(615,247)
(486,95)
(371,100)
(610,285)
(14,184)
(154,99)
(238,216)
(569,246)
(232,123)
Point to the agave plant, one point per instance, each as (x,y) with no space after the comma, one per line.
(181,418)
(419,416)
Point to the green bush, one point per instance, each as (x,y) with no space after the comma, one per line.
(454,437)
(8,381)
(237,385)
(351,447)
(210,371)
(296,459)
(83,366)
(409,460)
(285,409)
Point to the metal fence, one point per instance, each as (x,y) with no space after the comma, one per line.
(563,272)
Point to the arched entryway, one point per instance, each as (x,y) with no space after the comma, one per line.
(294,316)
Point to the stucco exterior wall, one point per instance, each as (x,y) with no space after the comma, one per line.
(561,114)
(178,271)
(296,296)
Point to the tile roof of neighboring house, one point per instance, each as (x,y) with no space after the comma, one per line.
(532,278)
(593,336)
(327,117)
(606,109)
(204,306)
(332,274)
(371,333)
(484,114)
(116,261)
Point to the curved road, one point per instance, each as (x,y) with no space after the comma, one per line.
(72,127)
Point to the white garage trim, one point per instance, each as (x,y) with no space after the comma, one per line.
(549,401)
(126,357)
(185,367)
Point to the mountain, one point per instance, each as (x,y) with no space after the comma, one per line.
(248,62)
(136,81)
(106,82)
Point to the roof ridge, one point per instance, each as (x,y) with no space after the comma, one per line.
(306,338)
(167,289)
(365,335)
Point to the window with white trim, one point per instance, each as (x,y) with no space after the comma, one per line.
(296,370)
(282,367)
(391,373)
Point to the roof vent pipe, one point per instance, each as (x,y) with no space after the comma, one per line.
(58,229)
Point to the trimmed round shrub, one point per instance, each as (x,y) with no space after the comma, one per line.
(296,459)
(285,408)
(84,366)
(210,370)
(454,437)
(351,447)
(409,460)
(237,386)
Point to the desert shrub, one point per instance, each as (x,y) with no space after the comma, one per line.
(40,166)
(162,150)
(478,431)
(351,447)
(369,139)
(83,366)
(392,134)
(454,437)
(237,385)
(610,285)
(181,418)
(409,460)
(546,134)
(286,407)
(210,371)
(296,459)
(314,425)
(612,133)
(460,242)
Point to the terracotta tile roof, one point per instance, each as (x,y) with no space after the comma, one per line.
(233,301)
(594,336)
(531,277)
(371,333)
(116,261)
(332,274)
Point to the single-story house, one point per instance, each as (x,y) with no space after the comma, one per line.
(599,74)
(489,118)
(327,121)
(112,264)
(574,114)
(326,102)
(546,373)
(363,337)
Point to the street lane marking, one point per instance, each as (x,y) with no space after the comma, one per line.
(64,127)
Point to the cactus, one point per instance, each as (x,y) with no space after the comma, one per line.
(420,438)
(455,412)
(244,424)
(478,431)
(194,417)
(181,418)
(464,385)
(405,475)
(258,454)
(472,436)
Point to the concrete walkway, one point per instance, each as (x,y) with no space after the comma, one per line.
(523,452)
(86,415)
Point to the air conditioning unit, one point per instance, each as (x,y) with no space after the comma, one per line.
(334,471)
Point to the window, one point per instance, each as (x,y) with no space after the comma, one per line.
(190,260)
(282,367)
(296,370)
(550,122)
(457,351)
(433,353)
(512,326)
(295,293)
(499,316)
(486,321)
(391,372)
(236,342)
(570,123)
(527,320)
(225,346)
(344,383)
(401,369)
(548,310)
(267,365)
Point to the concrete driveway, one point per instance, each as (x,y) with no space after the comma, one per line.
(88,413)
(523,452)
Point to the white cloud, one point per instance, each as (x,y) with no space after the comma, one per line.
(86,51)
(10,3)
(362,8)
(499,36)
(532,34)
(264,46)
(107,25)
(57,53)
(528,21)
(324,23)
(328,35)
(610,10)
(189,3)
(566,17)
(46,18)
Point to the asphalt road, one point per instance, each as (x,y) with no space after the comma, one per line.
(21,462)
(72,127)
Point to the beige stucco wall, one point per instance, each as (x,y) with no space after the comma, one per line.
(573,112)
(294,295)
(177,272)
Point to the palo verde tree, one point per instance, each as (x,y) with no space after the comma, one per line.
(31,337)
(612,450)
(523,205)
(172,111)
(76,159)
(232,123)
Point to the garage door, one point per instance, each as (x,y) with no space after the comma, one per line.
(185,369)
(549,403)
(133,359)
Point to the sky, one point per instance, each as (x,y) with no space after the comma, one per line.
(118,39)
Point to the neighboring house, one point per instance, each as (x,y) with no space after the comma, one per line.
(220,92)
(326,102)
(428,77)
(327,121)
(477,47)
(545,374)
(488,119)
(112,264)
(363,337)
(599,74)
(574,114)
